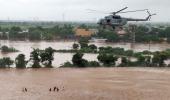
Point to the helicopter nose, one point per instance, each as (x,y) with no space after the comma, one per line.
(99,22)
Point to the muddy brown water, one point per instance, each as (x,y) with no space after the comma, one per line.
(86,84)
(25,47)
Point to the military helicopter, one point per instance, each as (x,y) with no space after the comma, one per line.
(115,20)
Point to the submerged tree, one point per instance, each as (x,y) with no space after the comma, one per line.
(20,61)
(159,58)
(47,56)
(78,60)
(83,43)
(75,46)
(124,62)
(107,59)
(93,47)
(6,62)
(35,58)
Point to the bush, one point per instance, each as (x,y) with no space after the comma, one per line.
(129,53)
(6,62)
(93,64)
(67,64)
(66,51)
(159,58)
(147,52)
(93,47)
(124,62)
(7,49)
(75,46)
(117,51)
(83,43)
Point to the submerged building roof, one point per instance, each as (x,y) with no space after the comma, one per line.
(85,32)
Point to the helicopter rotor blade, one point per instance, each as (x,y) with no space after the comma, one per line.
(153,14)
(150,13)
(134,11)
(96,11)
(119,11)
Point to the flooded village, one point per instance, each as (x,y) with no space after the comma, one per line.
(84,50)
(106,81)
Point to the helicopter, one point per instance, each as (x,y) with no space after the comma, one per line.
(114,20)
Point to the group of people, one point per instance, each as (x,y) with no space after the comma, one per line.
(54,89)
(51,89)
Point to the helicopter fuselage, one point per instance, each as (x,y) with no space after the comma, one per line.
(118,21)
(113,20)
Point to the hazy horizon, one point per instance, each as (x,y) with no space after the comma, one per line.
(76,10)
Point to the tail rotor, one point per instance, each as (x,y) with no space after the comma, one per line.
(150,15)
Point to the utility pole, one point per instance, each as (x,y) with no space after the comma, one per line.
(63,17)
(8,21)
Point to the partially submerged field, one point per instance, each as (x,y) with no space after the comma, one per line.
(86,84)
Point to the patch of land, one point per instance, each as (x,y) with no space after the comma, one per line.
(86,84)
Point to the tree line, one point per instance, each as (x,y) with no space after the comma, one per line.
(143,34)
(38,58)
(37,33)
(157,59)
(108,56)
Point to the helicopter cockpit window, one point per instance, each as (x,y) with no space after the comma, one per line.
(108,20)
(116,17)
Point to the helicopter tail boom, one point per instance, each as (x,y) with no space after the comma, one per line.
(146,19)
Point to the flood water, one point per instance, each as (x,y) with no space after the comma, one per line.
(25,47)
(86,84)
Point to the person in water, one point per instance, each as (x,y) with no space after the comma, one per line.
(50,89)
(56,89)
(24,90)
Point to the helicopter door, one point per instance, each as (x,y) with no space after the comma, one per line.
(117,21)
(108,21)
